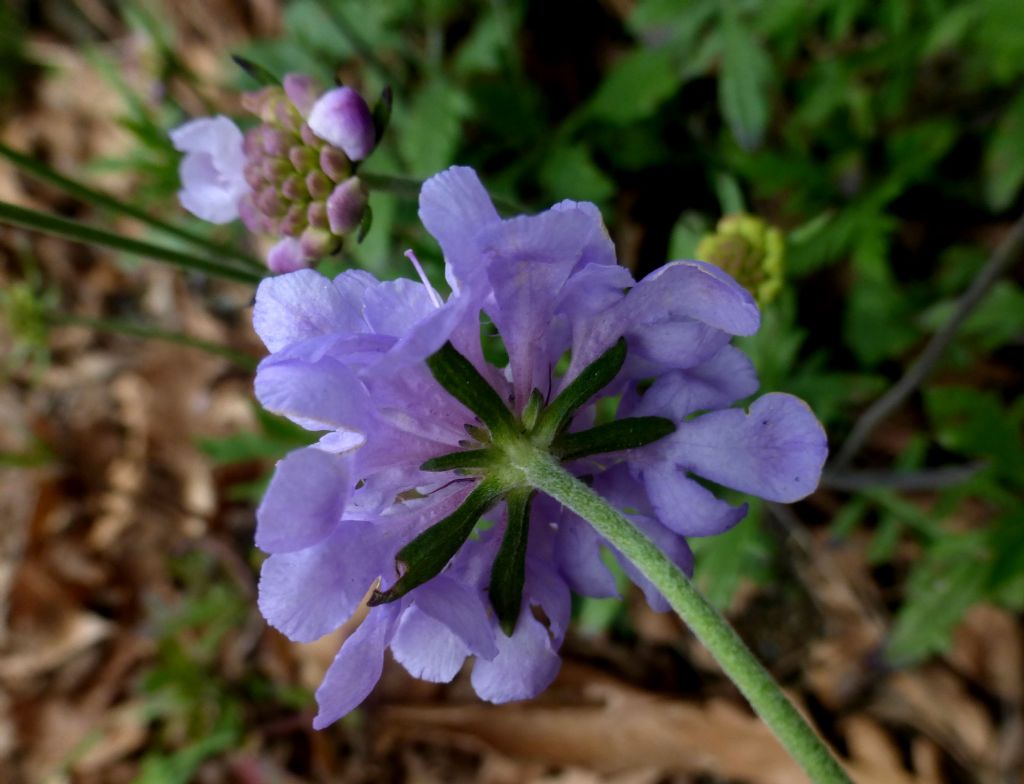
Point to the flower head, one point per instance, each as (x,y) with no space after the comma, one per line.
(292,176)
(423,438)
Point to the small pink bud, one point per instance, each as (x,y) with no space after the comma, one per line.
(302,158)
(269,202)
(334,163)
(346,205)
(253,173)
(318,185)
(316,214)
(276,141)
(342,118)
(302,91)
(294,221)
(317,243)
(286,256)
(309,138)
(293,188)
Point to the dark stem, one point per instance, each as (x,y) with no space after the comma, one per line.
(1006,254)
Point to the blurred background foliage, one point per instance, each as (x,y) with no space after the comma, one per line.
(885,139)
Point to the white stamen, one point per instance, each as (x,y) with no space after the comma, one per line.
(434,297)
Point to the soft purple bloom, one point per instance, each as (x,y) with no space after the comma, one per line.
(212,171)
(348,360)
(341,117)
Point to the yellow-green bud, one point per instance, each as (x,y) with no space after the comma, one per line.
(750,250)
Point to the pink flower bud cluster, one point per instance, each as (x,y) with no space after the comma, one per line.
(292,176)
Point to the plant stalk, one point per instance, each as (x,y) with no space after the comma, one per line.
(752,679)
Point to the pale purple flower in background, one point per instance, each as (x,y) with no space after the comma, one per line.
(348,358)
(213,169)
(292,177)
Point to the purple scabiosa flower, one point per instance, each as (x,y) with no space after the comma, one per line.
(293,176)
(423,438)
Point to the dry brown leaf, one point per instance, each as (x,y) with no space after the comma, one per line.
(614,729)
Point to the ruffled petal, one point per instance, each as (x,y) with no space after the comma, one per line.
(324,395)
(308,593)
(357,667)
(304,501)
(684,506)
(725,378)
(301,305)
(701,291)
(529,259)
(460,609)
(454,206)
(776,451)
(396,307)
(427,648)
(578,554)
(525,665)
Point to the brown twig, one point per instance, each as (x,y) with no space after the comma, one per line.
(1008,251)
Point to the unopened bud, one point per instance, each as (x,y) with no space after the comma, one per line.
(318,185)
(294,221)
(316,214)
(276,141)
(334,163)
(750,250)
(286,256)
(303,158)
(309,138)
(269,201)
(342,118)
(346,205)
(302,91)
(293,188)
(317,243)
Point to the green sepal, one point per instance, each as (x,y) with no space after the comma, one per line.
(628,433)
(531,411)
(257,72)
(480,434)
(594,377)
(382,113)
(509,571)
(459,376)
(471,458)
(426,555)
(364,224)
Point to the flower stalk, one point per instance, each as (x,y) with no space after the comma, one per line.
(740,665)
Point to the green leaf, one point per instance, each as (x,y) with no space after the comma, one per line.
(723,562)
(975,423)
(426,555)
(594,377)
(429,132)
(509,571)
(629,433)
(256,72)
(743,83)
(637,84)
(1004,157)
(461,378)
(940,591)
(570,170)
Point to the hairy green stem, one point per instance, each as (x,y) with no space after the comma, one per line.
(758,686)
(81,232)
